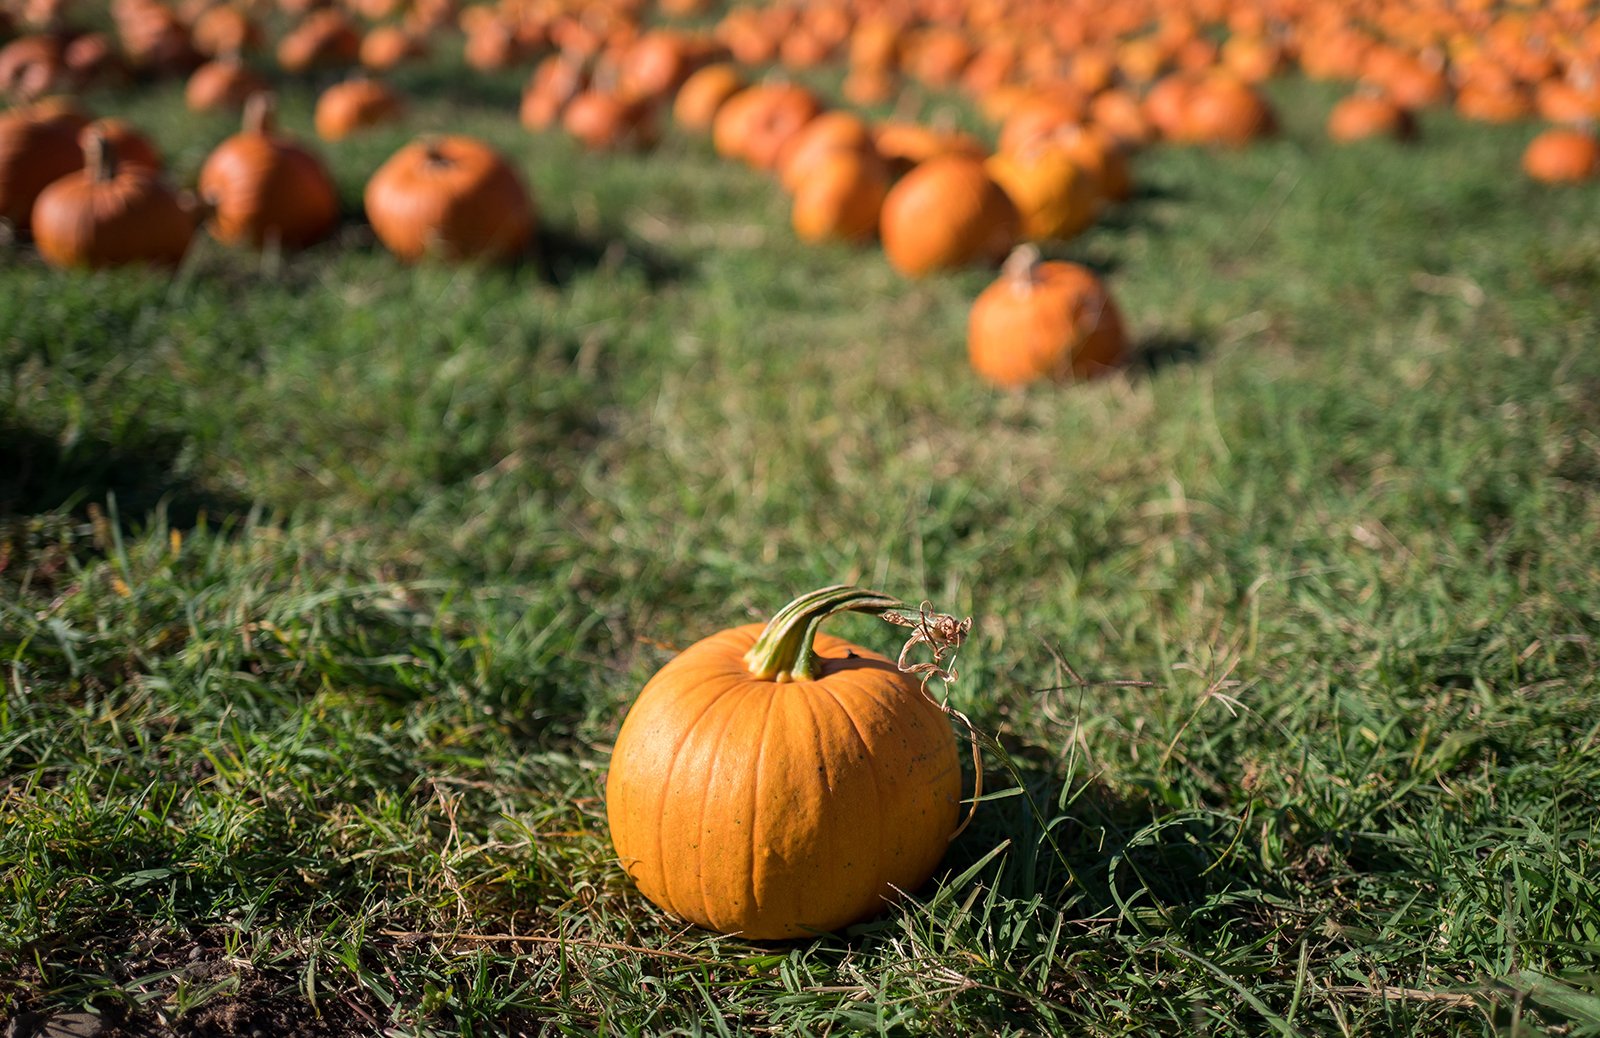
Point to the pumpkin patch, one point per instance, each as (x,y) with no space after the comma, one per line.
(387,574)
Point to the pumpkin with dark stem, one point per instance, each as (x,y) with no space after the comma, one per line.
(1043,321)
(266,189)
(450,197)
(774,782)
(124,145)
(108,216)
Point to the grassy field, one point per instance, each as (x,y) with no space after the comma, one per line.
(325,584)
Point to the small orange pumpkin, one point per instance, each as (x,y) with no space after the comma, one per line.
(948,212)
(755,124)
(1117,114)
(1055,196)
(654,66)
(1223,110)
(264,188)
(108,216)
(1365,115)
(868,86)
(1043,321)
(827,133)
(1562,155)
(93,60)
(353,105)
(224,29)
(1040,116)
(703,93)
(387,46)
(451,197)
(603,121)
(31,66)
(555,82)
(841,196)
(221,85)
(774,782)
(326,39)
(1487,101)
(491,45)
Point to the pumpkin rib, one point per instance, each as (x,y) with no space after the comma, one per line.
(713,697)
(716,746)
(872,773)
(755,796)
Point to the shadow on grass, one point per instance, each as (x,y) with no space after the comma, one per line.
(1163,350)
(40,474)
(562,255)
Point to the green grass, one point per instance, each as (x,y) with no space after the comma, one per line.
(325,584)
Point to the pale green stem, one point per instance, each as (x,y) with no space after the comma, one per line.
(784,651)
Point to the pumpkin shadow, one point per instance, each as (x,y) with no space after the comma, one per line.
(1138,209)
(136,481)
(1163,350)
(1099,260)
(561,255)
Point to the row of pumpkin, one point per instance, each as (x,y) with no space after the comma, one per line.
(90,194)
(99,201)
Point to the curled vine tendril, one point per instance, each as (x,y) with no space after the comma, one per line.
(944,634)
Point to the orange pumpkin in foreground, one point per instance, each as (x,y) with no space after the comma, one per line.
(1044,321)
(106,216)
(130,147)
(771,786)
(266,189)
(452,197)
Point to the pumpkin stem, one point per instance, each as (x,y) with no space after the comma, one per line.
(100,156)
(1021,268)
(433,150)
(258,113)
(784,650)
